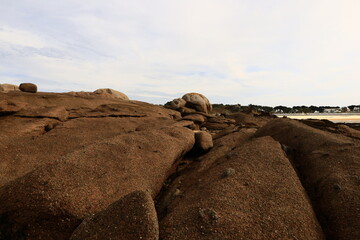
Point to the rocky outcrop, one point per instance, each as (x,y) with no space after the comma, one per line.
(10,107)
(64,157)
(89,179)
(57,112)
(197,108)
(83,165)
(329,165)
(131,217)
(197,101)
(251,192)
(28,87)
(108,92)
(190,103)
(5,87)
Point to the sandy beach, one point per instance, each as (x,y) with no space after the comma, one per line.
(346,118)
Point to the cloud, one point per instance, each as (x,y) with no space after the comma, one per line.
(260,52)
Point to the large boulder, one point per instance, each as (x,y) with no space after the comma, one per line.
(197,101)
(50,202)
(329,164)
(8,87)
(28,87)
(203,140)
(131,217)
(240,191)
(108,92)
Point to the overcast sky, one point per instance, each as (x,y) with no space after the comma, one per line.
(268,52)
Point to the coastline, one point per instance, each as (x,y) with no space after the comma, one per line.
(336,118)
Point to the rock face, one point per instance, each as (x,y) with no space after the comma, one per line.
(258,197)
(329,164)
(8,87)
(28,87)
(10,107)
(108,92)
(82,182)
(135,211)
(197,101)
(57,169)
(84,165)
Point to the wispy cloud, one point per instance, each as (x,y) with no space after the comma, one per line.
(261,52)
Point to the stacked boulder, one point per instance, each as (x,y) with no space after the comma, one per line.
(189,103)
(24,87)
(197,108)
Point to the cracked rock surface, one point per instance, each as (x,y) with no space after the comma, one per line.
(86,165)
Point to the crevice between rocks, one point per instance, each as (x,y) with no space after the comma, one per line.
(293,156)
(171,185)
(112,115)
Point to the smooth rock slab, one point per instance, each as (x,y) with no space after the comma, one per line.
(132,217)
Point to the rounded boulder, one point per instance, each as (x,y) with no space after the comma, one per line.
(198,102)
(28,87)
(108,92)
(203,140)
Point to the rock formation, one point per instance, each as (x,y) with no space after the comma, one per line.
(8,87)
(86,165)
(203,140)
(189,103)
(108,92)
(135,211)
(198,102)
(28,87)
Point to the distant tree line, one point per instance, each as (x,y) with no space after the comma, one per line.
(285,109)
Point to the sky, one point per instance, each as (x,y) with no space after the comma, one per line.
(267,52)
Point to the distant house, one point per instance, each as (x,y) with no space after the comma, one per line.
(356,109)
(332,110)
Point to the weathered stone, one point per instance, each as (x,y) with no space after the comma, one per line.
(58,113)
(108,92)
(50,201)
(197,118)
(28,87)
(10,107)
(8,87)
(197,101)
(325,160)
(203,140)
(131,217)
(185,111)
(228,172)
(175,104)
(264,199)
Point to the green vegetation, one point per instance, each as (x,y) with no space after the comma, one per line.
(285,109)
